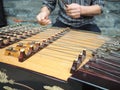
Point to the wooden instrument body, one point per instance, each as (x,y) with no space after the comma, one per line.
(94,79)
(56,59)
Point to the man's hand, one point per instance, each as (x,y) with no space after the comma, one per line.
(73,10)
(43,18)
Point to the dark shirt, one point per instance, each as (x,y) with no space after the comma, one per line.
(64,18)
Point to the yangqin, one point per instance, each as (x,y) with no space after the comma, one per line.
(63,54)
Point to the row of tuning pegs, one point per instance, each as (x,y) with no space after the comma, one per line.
(77,62)
(37,46)
(10,38)
(25,51)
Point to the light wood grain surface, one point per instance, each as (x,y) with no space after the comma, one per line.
(56,59)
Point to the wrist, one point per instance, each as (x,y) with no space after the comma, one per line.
(83,10)
(45,10)
(90,10)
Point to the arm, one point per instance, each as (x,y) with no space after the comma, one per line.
(90,10)
(43,16)
(75,10)
(48,7)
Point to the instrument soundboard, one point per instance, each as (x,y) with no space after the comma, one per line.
(56,52)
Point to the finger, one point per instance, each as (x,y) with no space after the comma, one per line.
(48,22)
(68,9)
(74,15)
(45,22)
(71,7)
(40,17)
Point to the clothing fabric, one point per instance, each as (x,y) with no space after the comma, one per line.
(88,27)
(64,18)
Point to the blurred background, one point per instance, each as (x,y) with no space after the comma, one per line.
(25,11)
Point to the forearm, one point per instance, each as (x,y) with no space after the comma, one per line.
(45,10)
(90,10)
